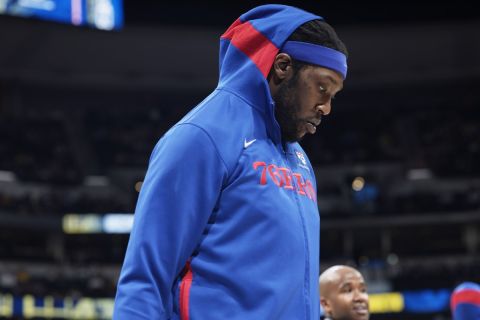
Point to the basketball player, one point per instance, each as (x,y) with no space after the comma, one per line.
(226,225)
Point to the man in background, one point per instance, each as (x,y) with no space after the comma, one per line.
(343,294)
(465,301)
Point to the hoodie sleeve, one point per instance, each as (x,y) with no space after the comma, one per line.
(181,187)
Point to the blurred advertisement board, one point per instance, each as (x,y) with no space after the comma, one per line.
(100,14)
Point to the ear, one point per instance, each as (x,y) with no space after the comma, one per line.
(281,68)
(326,306)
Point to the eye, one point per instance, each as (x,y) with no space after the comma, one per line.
(347,289)
(322,89)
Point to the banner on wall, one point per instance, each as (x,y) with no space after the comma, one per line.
(100,14)
(424,301)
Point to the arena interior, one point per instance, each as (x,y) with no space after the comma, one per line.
(397,161)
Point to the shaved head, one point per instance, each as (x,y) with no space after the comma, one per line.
(333,276)
(343,293)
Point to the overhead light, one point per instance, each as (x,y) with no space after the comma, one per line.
(138,186)
(358,183)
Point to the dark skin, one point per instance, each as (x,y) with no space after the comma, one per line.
(343,294)
(301,98)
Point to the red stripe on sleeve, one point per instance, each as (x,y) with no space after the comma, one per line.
(252,43)
(185,293)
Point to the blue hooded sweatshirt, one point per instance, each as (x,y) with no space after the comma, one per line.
(227,225)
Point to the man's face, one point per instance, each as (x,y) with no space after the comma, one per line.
(303,99)
(347,297)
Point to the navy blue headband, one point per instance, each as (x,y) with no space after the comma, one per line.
(318,55)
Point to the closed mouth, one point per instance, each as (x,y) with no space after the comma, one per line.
(316,122)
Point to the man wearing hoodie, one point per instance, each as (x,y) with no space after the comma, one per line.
(227,225)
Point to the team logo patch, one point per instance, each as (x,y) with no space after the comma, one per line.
(301,157)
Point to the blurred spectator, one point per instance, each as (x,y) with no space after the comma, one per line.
(465,301)
(343,294)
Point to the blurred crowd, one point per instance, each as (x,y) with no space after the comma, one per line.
(379,177)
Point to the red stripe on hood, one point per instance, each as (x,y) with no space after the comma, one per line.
(253,44)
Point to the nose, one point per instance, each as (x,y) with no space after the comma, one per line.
(360,296)
(325,108)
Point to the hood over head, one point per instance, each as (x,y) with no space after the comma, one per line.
(248,49)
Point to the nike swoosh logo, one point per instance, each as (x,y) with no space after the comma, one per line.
(247,144)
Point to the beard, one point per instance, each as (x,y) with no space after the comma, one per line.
(286,110)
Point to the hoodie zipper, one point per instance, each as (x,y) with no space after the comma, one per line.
(307,252)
